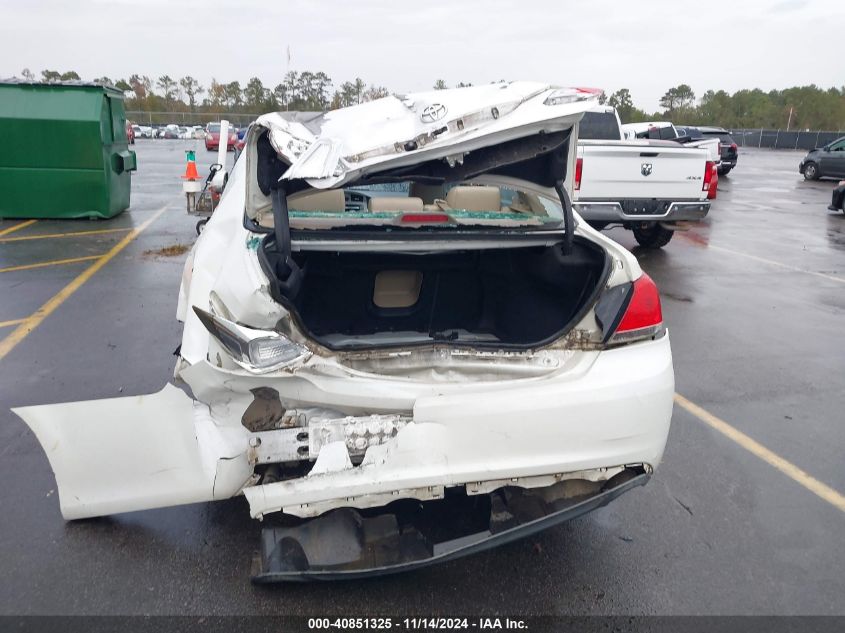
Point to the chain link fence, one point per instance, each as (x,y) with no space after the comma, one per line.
(188,118)
(781,139)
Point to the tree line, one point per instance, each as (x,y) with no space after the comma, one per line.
(799,107)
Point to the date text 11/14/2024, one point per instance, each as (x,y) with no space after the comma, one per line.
(416,624)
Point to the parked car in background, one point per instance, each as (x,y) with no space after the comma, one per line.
(144,131)
(837,198)
(137,131)
(241,139)
(455,364)
(825,162)
(192,132)
(212,137)
(727,145)
(650,187)
(130,133)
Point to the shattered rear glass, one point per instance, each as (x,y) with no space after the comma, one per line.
(411,205)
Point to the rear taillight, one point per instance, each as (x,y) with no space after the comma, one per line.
(579,166)
(630,312)
(711,180)
(708,175)
(733,146)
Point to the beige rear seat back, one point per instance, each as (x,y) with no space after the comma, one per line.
(395,203)
(474,198)
(524,202)
(428,193)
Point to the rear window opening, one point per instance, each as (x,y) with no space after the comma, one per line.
(413,205)
(599,126)
(501,298)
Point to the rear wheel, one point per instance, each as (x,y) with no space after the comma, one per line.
(652,236)
(811,171)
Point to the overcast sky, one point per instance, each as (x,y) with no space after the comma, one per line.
(646,46)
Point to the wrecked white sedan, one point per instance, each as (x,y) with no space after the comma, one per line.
(397,334)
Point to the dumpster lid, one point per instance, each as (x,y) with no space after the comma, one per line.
(70,83)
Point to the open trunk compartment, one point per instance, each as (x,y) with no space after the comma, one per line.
(505,297)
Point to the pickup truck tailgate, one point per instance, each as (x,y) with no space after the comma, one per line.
(624,170)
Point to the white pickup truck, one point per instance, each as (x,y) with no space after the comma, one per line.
(650,187)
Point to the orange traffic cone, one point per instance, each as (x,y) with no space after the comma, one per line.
(191,167)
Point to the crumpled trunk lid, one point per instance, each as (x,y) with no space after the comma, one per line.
(331,149)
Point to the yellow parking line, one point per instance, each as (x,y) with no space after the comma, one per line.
(35,319)
(52,235)
(789,469)
(12,322)
(55,262)
(22,225)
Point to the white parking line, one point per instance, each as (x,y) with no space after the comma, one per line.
(772,262)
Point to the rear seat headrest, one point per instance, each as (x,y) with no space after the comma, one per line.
(474,198)
(331,200)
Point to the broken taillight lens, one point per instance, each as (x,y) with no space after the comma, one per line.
(258,351)
(630,312)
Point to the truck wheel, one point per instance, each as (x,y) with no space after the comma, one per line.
(653,236)
(811,171)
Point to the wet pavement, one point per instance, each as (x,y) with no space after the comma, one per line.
(754,299)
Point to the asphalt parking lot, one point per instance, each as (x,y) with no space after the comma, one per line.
(745,515)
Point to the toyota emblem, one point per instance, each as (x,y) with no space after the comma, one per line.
(433,112)
(645,169)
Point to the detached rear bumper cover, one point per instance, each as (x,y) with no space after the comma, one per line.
(141,452)
(136,453)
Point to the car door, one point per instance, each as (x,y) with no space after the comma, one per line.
(832,161)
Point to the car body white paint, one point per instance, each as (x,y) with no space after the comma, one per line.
(470,418)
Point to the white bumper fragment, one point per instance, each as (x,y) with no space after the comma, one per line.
(134,453)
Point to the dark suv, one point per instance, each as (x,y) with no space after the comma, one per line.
(727,146)
(825,162)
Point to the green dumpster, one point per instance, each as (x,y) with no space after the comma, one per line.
(64,151)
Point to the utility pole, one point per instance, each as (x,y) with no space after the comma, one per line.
(789,120)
